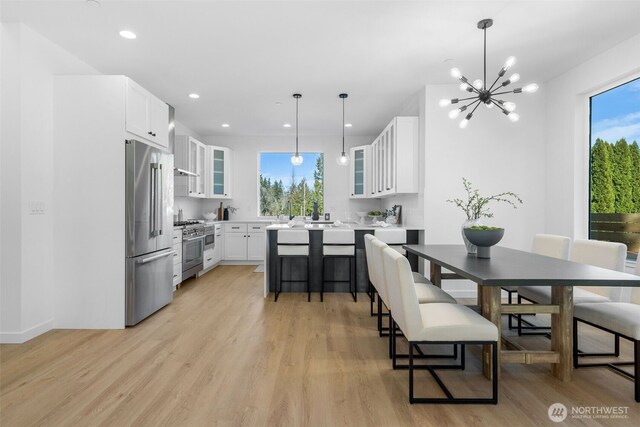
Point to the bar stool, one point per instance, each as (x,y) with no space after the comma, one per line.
(292,244)
(339,243)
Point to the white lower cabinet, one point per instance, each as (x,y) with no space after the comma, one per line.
(177,258)
(255,246)
(218,249)
(235,246)
(244,241)
(208,259)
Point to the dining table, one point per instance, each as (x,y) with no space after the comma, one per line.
(511,267)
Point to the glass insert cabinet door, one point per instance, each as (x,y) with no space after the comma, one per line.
(359,170)
(219,174)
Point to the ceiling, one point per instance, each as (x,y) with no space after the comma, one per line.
(245,57)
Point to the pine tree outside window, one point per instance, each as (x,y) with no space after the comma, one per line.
(614,179)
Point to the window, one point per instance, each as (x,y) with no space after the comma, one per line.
(615,166)
(287,189)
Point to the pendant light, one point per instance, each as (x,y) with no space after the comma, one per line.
(483,94)
(343,159)
(297,159)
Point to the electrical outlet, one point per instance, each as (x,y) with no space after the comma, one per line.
(327,216)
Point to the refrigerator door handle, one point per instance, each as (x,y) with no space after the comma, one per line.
(159,191)
(154,199)
(155,257)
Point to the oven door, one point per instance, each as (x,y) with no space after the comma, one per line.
(209,241)
(192,255)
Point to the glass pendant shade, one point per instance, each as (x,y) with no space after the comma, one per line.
(343,159)
(297,159)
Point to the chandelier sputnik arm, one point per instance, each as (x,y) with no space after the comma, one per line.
(484,95)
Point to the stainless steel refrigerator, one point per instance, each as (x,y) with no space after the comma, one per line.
(149,230)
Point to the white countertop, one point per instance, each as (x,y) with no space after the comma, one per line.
(344,226)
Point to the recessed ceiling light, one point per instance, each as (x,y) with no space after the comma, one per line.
(94,3)
(225,125)
(128,34)
(286,125)
(194,96)
(348,125)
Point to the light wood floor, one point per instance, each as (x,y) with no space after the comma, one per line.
(220,354)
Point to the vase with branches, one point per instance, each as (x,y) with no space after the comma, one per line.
(476,206)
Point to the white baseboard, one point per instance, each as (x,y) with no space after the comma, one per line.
(26,335)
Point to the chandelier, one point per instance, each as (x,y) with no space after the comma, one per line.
(483,94)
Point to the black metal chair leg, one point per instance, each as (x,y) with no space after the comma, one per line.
(519,318)
(410,373)
(575,343)
(636,357)
(510,320)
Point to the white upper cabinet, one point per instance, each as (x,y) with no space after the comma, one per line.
(190,157)
(398,144)
(218,176)
(146,116)
(208,169)
(360,172)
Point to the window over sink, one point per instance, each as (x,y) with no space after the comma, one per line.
(285,188)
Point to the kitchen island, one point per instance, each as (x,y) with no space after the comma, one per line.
(335,269)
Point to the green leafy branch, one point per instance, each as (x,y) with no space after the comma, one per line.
(476,206)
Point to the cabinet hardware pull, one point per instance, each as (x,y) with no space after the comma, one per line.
(150,133)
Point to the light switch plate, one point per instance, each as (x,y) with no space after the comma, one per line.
(36,207)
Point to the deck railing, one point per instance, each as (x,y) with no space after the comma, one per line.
(617,227)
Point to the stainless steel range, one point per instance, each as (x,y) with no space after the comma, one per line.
(192,248)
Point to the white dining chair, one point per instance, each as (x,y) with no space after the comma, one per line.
(396,238)
(435,324)
(610,255)
(372,289)
(543,244)
(425,292)
(622,319)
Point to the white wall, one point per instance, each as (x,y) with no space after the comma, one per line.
(29,63)
(89,188)
(413,204)
(567,137)
(245,173)
(496,155)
